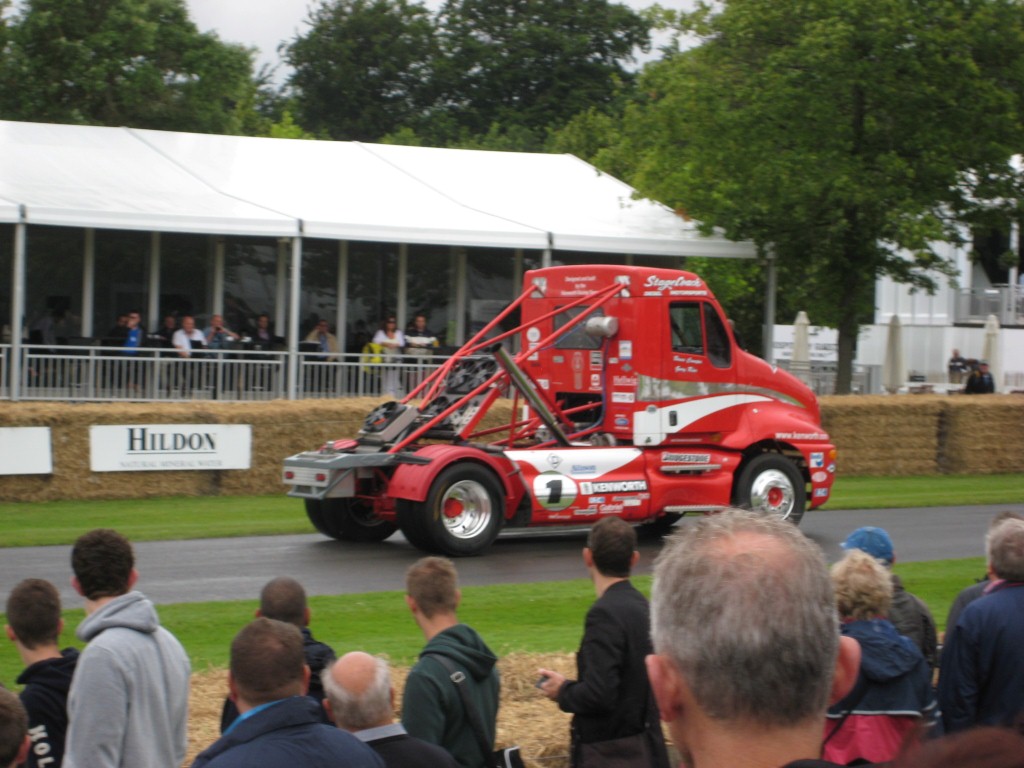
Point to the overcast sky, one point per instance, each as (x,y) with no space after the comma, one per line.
(264,24)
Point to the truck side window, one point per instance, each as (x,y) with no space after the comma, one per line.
(576,337)
(684,321)
(719,351)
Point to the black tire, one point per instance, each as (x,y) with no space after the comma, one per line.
(662,526)
(411,519)
(347,520)
(772,483)
(462,514)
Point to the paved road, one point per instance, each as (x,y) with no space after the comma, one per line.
(232,569)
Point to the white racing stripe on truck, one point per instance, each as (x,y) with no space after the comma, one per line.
(651,425)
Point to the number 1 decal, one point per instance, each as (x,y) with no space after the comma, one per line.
(555,495)
(554,491)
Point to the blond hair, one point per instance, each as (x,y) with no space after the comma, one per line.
(863,586)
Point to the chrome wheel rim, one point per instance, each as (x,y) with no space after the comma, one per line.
(466,509)
(773,492)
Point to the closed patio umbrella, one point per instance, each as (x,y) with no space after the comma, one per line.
(800,365)
(894,367)
(991,350)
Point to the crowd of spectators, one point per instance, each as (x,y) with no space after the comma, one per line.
(751,652)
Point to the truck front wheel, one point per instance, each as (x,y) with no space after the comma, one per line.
(772,483)
(462,514)
(347,520)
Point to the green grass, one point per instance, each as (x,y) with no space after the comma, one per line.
(61,522)
(925,491)
(544,617)
(185,517)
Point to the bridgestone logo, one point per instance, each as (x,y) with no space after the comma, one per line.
(621,486)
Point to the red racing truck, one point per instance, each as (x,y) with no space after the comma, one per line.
(631,397)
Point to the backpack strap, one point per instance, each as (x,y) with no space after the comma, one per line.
(855,696)
(458,678)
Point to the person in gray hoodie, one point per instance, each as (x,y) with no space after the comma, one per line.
(128,704)
(432,708)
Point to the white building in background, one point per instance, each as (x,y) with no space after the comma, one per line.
(933,325)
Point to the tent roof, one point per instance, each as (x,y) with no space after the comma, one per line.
(90,176)
(583,208)
(338,190)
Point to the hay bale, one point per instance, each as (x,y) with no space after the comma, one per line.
(884,435)
(983,435)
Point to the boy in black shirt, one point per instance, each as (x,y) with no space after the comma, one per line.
(34,626)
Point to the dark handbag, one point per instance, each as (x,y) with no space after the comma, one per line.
(624,752)
(509,757)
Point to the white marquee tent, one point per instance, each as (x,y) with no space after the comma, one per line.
(157,181)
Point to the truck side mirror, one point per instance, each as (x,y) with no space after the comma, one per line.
(602,327)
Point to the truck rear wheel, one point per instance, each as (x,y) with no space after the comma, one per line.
(347,520)
(462,514)
(772,483)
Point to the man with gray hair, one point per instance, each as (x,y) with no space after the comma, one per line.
(747,652)
(982,680)
(360,699)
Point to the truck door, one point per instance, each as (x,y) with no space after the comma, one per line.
(695,395)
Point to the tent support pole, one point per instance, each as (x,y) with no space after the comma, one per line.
(770,290)
(293,319)
(152,313)
(17,304)
(88,282)
(218,277)
(281,287)
(402,298)
(341,320)
(461,305)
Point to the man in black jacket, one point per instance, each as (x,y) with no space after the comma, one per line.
(284,599)
(611,700)
(980,382)
(34,626)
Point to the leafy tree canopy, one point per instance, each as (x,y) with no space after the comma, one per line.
(533,63)
(364,68)
(141,63)
(844,135)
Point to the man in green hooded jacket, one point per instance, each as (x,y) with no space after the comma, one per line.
(432,708)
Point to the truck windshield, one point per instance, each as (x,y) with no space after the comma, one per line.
(719,351)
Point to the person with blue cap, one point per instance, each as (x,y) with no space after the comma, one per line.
(908,613)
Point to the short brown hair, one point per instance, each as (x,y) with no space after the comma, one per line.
(102,560)
(284,599)
(33,611)
(433,583)
(863,586)
(267,660)
(13,726)
(612,542)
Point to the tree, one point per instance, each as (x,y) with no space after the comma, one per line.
(141,63)
(847,136)
(363,70)
(509,65)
